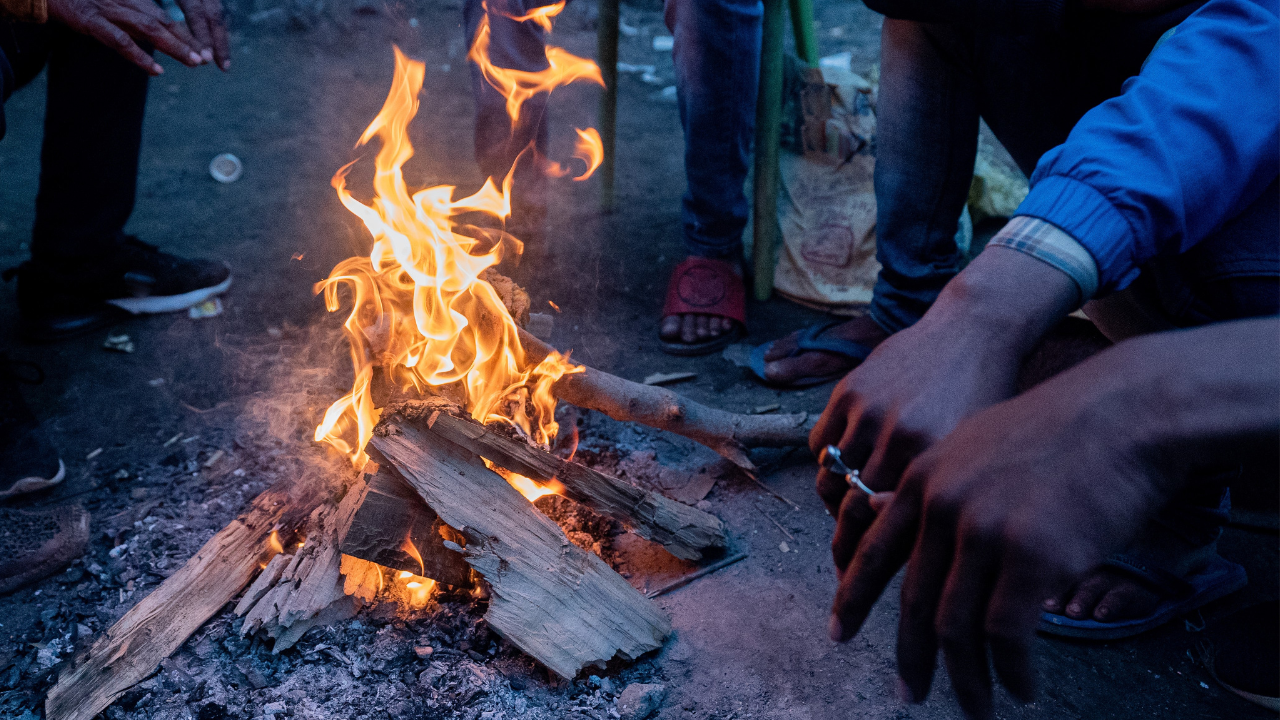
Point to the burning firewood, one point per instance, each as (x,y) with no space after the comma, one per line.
(729,434)
(553,600)
(155,627)
(303,586)
(686,532)
(395,529)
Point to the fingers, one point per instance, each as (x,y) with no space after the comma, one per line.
(961,619)
(216,19)
(205,18)
(1012,616)
(922,589)
(832,488)
(892,453)
(854,517)
(882,551)
(147,20)
(119,40)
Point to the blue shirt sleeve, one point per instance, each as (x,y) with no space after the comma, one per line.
(1189,143)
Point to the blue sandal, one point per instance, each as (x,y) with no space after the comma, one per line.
(811,339)
(1218,579)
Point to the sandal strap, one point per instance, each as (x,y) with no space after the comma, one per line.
(811,339)
(703,286)
(1163,580)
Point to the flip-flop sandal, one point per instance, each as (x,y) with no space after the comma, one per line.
(811,339)
(702,286)
(1219,578)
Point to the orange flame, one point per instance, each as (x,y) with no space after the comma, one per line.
(520,85)
(420,308)
(412,551)
(540,15)
(589,149)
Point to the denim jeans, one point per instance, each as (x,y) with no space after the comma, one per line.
(717,62)
(92,137)
(936,80)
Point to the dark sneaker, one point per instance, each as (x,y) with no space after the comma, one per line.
(30,461)
(60,301)
(37,544)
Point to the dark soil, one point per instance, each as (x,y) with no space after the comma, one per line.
(141,433)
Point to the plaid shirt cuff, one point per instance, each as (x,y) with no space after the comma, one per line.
(1048,244)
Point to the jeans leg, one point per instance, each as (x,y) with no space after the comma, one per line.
(926,144)
(717,63)
(517,46)
(89,160)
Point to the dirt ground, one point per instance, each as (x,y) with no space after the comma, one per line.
(136,430)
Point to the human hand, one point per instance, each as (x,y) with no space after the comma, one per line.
(119,24)
(208,25)
(912,390)
(1016,504)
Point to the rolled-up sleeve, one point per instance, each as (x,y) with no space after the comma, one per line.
(1188,144)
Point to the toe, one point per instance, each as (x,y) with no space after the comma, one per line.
(689,330)
(670,328)
(1086,596)
(1125,601)
(809,364)
(782,347)
(701,323)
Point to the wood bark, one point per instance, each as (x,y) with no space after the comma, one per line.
(553,600)
(684,531)
(729,434)
(394,528)
(155,627)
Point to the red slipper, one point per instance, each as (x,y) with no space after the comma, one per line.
(702,286)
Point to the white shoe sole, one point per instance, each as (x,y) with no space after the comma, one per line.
(170,303)
(34,484)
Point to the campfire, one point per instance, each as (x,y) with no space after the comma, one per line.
(450,424)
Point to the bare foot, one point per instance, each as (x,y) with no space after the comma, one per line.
(691,328)
(783,369)
(1106,596)
(1112,595)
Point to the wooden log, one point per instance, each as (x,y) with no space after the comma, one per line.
(394,528)
(553,600)
(684,531)
(305,586)
(729,434)
(155,627)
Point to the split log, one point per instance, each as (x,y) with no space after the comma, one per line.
(304,586)
(395,529)
(729,434)
(155,627)
(684,531)
(553,600)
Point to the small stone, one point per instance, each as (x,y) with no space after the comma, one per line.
(639,700)
(423,651)
(275,708)
(606,686)
(704,505)
(138,493)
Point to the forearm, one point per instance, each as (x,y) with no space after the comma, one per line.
(1209,393)
(1007,299)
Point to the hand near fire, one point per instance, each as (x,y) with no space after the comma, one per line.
(1012,507)
(961,357)
(123,24)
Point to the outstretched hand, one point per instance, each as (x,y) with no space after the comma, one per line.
(918,384)
(122,24)
(1013,506)
(1019,501)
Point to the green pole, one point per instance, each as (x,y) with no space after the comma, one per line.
(768,131)
(802,27)
(607,52)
